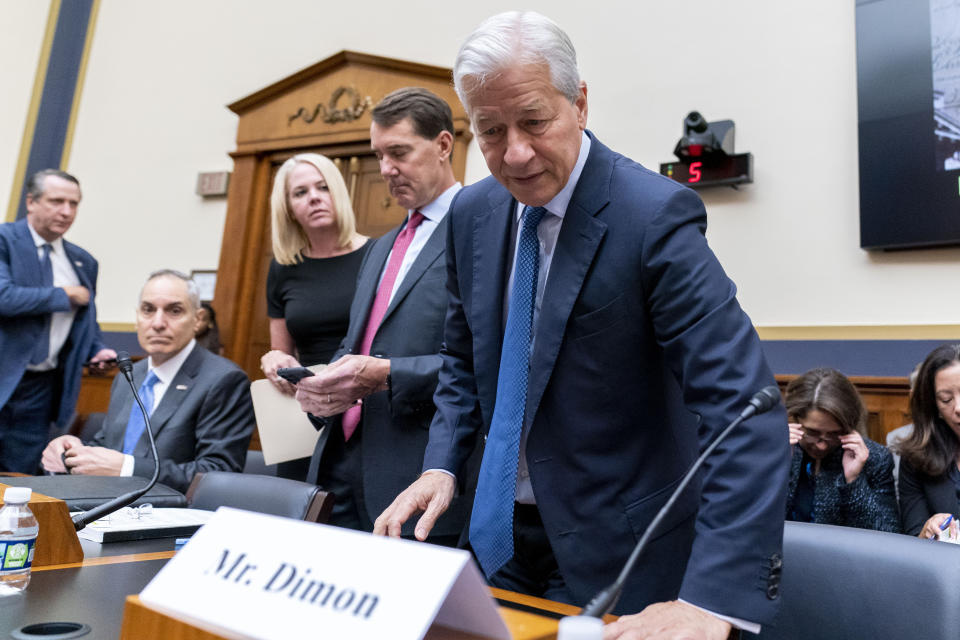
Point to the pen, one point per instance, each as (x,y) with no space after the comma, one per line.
(943,525)
(946,523)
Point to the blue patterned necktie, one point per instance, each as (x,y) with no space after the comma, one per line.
(41,350)
(136,425)
(491,524)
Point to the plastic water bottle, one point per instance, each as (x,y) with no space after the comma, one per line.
(18,535)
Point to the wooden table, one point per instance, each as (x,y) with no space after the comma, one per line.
(95,592)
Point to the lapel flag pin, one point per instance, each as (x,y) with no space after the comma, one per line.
(181,387)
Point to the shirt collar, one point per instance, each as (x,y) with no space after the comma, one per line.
(167,371)
(38,241)
(435,211)
(558,205)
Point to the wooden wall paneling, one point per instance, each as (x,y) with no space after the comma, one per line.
(95,392)
(235,231)
(257,234)
(377,211)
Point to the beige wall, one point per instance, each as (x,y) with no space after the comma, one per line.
(22,26)
(159,75)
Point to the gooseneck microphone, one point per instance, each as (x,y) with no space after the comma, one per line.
(603,602)
(83,519)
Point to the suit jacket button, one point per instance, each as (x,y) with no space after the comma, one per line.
(773,590)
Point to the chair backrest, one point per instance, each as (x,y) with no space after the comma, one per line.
(263,494)
(255,464)
(841,582)
(91,426)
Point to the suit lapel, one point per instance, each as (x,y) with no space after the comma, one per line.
(78,264)
(577,245)
(28,253)
(367,288)
(175,395)
(432,250)
(491,247)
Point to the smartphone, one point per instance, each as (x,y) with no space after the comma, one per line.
(103,363)
(293,375)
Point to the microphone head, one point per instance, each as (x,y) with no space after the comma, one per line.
(123,362)
(765,399)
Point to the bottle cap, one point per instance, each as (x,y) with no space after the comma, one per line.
(17,495)
(580,628)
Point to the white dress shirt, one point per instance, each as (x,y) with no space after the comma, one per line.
(432,216)
(64,275)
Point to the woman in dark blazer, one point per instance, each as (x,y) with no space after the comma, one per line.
(930,456)
(837,475)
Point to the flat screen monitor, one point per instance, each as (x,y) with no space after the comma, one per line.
(908,83)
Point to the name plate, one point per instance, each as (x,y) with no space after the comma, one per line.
(249,575)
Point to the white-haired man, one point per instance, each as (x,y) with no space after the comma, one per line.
(199,403)
(595,340)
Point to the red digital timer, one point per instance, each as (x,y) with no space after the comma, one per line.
(711,171)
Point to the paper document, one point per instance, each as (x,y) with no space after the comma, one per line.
(285,431)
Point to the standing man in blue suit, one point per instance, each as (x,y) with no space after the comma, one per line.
(595,343)
(48,320)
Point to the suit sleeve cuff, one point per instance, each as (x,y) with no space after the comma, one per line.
(452,475)
(126,469)
(745,625)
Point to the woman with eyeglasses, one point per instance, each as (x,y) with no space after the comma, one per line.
(930,455)
(837,475)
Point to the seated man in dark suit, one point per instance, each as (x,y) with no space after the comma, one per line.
(199,403)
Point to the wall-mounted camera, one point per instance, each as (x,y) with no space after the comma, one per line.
(706,155)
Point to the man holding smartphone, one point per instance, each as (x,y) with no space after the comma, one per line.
(376,396)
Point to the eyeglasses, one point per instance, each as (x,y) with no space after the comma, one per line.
(131,513)
(814,436)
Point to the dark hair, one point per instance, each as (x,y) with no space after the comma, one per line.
(932,446)
(208,336)
(35,182)
(429,112)
(830,391)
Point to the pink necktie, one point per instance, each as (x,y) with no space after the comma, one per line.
(351,418)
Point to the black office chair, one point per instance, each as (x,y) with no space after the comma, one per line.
(841,582)
(263,494)
(256,465)
(92,424)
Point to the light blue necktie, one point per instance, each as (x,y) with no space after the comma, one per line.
(41,350)
(491,524)
(136,425)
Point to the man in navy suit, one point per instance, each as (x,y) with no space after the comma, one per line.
(48,320)
(375,397)
(596,345)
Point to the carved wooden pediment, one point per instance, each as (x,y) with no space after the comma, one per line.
(330,102)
